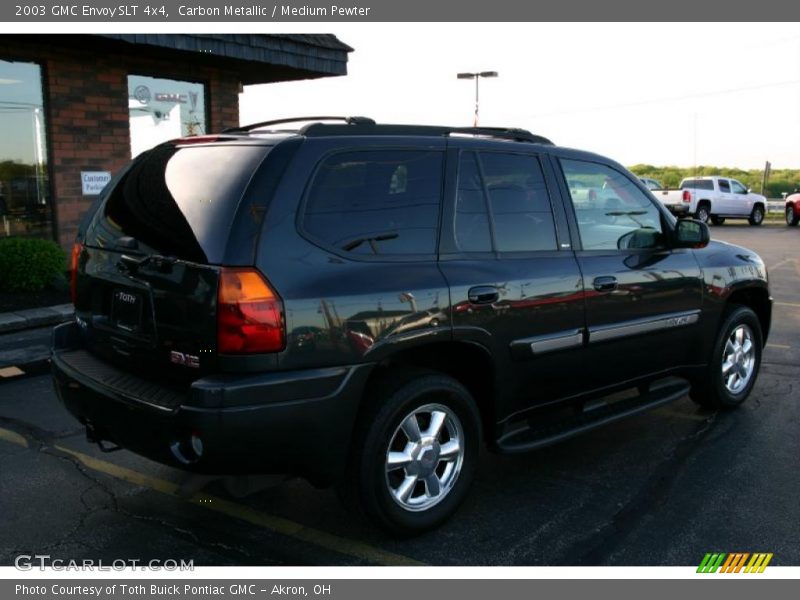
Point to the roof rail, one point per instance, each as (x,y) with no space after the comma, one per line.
(367,128)
(266,124)
(510,133)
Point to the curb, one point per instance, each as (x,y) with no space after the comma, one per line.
(35,317)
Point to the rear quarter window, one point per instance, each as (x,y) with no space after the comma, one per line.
(376,202)
(698,184)
(178,201)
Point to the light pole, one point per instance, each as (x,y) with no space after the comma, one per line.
(476,77)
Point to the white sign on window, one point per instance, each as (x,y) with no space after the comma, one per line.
(93,182)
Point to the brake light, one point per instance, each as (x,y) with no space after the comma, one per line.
(73,270)
(249,314)
(687,196)
(198,139)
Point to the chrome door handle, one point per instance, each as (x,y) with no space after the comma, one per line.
(605,284)
(483,294)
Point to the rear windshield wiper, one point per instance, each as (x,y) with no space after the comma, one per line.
(163,264)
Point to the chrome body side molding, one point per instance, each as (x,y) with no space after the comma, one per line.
(542,344)
(640,326)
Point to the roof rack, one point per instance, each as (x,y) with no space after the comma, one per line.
(366,128)
(510,133)
(267,124)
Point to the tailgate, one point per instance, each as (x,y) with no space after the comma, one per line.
(147,276)
(669,197)
(150,314)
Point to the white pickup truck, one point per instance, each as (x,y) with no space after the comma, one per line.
(714,199)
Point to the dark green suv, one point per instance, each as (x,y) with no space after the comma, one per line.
(365,305)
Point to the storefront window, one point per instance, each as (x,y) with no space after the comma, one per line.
(163,109)
(25,208)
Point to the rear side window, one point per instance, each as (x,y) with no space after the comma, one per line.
(698,184)
(512,188)
(178,201)
(381,202)
(724,186)
(523,219)
(472,229)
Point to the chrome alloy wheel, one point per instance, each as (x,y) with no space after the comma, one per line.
(424,457)
(738,359)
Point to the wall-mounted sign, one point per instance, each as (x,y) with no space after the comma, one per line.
(93,182)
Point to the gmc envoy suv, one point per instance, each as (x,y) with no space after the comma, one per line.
(364,304)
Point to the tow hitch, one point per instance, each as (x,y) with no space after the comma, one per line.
(95,436)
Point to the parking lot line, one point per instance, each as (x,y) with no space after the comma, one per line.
(13,438)
(776,265)
(11,372)
(781,346)
(244,513)
(792,304)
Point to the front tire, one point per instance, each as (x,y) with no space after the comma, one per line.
(415,452)
(757,216)
(792,218)
(735,360)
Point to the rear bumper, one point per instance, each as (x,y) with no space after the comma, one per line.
(296,422)
(679,210)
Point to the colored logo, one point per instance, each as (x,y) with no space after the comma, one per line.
(736,562)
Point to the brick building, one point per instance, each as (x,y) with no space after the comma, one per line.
(75,108)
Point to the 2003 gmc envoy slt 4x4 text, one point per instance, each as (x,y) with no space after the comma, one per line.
(363,305)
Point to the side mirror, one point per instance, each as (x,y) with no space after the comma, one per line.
(640,239)
(691,234)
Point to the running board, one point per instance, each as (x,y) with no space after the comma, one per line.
(525,439)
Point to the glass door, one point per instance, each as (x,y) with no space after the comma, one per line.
(25,208)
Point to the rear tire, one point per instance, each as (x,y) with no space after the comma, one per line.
(733,367)
(757,216)
(792,218)
(703,212)
(414,452)
(717,220)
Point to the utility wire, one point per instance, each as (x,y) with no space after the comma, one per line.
(671,99)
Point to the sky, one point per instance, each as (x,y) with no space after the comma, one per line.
(679,94)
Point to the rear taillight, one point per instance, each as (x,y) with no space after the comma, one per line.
(687,196)
(73,270)
(249,314)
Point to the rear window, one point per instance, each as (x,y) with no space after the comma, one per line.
(178,201)
(376,202)
(698,184)
(521,218)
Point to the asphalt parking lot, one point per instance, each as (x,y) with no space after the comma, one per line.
(663,488)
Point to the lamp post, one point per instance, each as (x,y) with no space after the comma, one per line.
(476,77)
